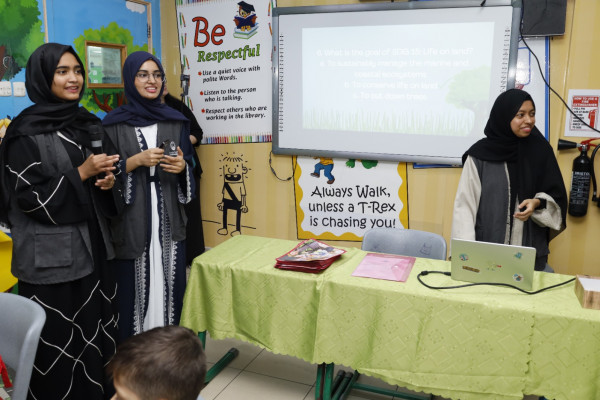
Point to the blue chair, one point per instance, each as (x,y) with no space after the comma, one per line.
(405,242)
(22,323)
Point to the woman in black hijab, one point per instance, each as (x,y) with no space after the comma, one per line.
(55,203)
(511,190)
(154,144)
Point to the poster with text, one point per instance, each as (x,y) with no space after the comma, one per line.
(584,103)
(340,199)
(225,49)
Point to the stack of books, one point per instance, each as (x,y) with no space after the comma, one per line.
(309,256)
(238,33)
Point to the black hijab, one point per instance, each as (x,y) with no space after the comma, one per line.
(536,166)
(48,113)
(140,111)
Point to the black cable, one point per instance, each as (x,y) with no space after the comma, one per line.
(542,73)
(593,176)
(275,173)
(423,273)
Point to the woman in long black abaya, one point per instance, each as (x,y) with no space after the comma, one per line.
(55,206)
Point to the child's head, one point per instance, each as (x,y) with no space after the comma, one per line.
(166,363)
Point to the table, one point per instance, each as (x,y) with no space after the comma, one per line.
(471,343)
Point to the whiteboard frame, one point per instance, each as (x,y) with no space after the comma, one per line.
(277,11)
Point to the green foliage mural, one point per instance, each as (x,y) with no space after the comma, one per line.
(112,33)
(20,34)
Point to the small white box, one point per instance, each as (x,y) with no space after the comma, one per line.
(587,290)
(19,89)
(5,88)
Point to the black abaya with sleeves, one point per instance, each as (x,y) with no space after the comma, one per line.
(55,220)
(194,243)
(78,338)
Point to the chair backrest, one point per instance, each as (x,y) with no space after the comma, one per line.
(22,320)
(406,242)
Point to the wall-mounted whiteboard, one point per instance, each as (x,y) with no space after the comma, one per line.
(407,81)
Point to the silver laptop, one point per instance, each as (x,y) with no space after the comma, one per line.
(474,261)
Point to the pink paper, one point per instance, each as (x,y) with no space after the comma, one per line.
(385,266)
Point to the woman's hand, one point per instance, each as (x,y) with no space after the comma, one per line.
(150,157)
(107,182)
(174,165)
(147,158)
(97,163)
(526,208)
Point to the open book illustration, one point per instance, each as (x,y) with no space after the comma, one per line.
(385,266)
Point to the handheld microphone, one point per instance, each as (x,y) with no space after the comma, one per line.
(96,136)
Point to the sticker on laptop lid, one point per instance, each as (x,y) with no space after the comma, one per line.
(493,267)
(470,268)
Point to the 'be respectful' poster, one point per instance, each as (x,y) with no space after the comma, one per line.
(226,50)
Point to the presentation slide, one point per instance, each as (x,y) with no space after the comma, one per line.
(400,84)
(352,83)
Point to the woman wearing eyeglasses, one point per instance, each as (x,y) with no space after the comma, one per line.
(149,235)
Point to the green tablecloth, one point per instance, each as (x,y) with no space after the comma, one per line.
(471,343)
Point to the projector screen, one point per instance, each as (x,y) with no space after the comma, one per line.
(390,81)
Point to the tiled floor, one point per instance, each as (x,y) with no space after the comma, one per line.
(257,374)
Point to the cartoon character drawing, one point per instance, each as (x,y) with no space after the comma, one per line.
(325,164)
(247,18)
(234,192)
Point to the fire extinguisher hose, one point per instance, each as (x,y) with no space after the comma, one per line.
(593,175)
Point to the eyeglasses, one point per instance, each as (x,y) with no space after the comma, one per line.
(144,76)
